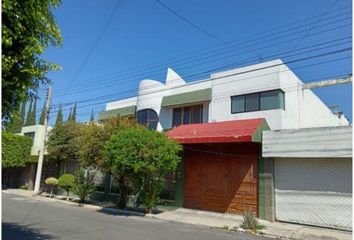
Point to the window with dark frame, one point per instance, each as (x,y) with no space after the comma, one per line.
(187,115)
(148,118)
(260,101)
(30,134)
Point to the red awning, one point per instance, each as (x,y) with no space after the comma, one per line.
(248,130)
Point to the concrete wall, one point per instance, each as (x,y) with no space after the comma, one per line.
(38,139)
(266,199)
(309,142)
(15,177)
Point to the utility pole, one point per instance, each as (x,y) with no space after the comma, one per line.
(41,151)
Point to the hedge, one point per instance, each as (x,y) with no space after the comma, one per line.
(16,150)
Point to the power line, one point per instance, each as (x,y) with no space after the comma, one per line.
(241,73)
(258,69)
(315,24)
(220,98)
(271,56)
(324,44)
(249,42)
(184,19)
(268,31)
(110,83)
(97,40)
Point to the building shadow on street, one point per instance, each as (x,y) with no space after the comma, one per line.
(12,231)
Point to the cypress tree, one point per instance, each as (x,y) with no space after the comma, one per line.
(69,117)
(18,119)
(33,114)
(29,113)
(13,125)
(59,120)
(22,114)
(73,114)
(41,118)
(92,118)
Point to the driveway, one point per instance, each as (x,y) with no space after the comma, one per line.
(30,218)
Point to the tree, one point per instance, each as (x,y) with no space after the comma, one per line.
(33,114)
(28,28)
(69,117)
(22,113)
(66,182)
(62,145)
(92,137)
(84,184)
(59,119)
(16,150)
(73,114)
(42,117)
(29,114)
(91,141)
(15,124)
(92,118)
(144,157)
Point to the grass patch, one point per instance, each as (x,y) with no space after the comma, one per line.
(250,222)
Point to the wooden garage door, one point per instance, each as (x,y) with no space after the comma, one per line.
(222,183)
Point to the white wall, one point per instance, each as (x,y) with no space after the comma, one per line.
(38,136)
(121,103)
(302,107)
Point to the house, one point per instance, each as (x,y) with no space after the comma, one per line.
(219,121)
(312,173)
(26,175)
(36,132)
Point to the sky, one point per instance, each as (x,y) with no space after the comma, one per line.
(109,46)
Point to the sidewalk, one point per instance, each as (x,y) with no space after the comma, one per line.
(217,220)
(272,229)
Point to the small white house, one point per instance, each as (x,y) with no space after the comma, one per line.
(36,132)
(267,90)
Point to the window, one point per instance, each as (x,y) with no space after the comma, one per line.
(238,104)
(258,101)
(176,117)
(252,102)
(272,100)
(187,115)
(30,134)
(148,118)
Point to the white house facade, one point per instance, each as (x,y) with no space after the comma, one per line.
(220,121)
(36,132)
(268,90)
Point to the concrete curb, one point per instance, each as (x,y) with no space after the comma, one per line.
(272,230)
(107,210)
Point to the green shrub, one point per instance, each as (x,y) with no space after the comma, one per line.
(66,182)
(16,150)
(250,222)
(52,182)
(84,184)
(24,186)
(142,157)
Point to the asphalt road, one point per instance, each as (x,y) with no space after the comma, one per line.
(28,218)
